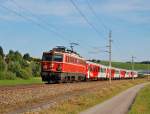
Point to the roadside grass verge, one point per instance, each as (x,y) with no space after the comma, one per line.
(76,104)
(142,102)
(36,80)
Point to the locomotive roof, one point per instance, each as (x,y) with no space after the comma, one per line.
(74,54)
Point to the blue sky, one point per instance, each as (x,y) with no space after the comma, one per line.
(44,24)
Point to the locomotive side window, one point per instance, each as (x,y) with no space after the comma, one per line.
(58,58)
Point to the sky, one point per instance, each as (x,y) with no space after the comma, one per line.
(34,26)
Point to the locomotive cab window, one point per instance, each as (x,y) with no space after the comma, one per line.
(58,58)
(47,57)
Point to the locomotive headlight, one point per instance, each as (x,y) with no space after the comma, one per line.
(52,65)
(45,67)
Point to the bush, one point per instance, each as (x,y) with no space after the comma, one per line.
(24,64)
(14,67)
(35,69)
(7,76)
(2,64)
(23,74)
(27,57)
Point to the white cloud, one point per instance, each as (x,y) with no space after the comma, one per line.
(125,6)
(53,9)
(41,7)
(135,11)
(128,10)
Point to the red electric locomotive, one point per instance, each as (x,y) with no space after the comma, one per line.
(61,65)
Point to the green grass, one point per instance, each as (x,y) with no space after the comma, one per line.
(142,102)
(20,82)
(79,103)
(125,65)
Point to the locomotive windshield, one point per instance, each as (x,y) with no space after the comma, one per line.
(50,57)
(57,58)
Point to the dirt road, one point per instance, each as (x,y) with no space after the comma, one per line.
(119,104)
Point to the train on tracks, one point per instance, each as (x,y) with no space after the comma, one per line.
(62,65)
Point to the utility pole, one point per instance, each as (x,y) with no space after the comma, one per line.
(133,67)
(148,70)
(110,54)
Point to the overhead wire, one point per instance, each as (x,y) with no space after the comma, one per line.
(40,19)
(35,16)
(36,23)
(95,14)
(84,17)
(33,21)
(100,20)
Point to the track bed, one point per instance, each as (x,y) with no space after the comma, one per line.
(19,99)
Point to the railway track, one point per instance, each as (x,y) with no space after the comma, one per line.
(27,97)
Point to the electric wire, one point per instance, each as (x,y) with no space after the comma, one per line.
(33,21)
(84,17)
(40,19)
(95,14)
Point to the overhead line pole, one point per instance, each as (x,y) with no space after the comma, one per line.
(132,67)
(110,54)
(148,70)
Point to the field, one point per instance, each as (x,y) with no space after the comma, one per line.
(95,96)
(142,102)
(124,65)
(20,82)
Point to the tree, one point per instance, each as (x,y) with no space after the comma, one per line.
(13,56)
(2,64)
(35,69)
(1,52)
(27,57)
(14,67)
(18,56)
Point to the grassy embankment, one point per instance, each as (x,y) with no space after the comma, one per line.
(96,96)
(142,102)
(38,80)
(125,65)
(20,81)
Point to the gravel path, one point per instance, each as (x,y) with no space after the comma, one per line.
(119,104)
(20,98)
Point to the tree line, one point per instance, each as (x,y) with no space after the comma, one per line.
(14,65)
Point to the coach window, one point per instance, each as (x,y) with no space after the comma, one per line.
(102,70)
(117,72)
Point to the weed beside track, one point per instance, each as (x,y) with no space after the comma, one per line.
(52,96)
